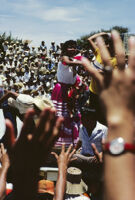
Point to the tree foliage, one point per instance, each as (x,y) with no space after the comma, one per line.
(83,40)
(7,37)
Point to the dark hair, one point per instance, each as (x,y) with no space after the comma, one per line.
(88,112)
(67,44)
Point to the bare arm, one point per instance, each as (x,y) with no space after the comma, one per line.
(92,40)
(63,159)
(61,183)
(9,94)
(117,91)
(69,61)
(118,99)
(3,171)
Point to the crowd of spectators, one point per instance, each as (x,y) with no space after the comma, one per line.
(92,93)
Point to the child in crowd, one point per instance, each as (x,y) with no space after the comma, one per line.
(66,76)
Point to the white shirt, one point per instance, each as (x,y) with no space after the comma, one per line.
(98,133)
(65,74)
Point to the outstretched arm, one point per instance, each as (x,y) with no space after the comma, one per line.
(70,61)
(9,94)
(93,38)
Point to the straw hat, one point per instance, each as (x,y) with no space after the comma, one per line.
(22,102)
(27,41)
(19,85)
(42,103)
(75,184)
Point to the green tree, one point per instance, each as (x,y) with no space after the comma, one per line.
(4,37)
(83,40)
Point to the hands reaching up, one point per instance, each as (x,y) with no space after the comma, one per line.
(32,147)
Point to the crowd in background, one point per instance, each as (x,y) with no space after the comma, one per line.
(29,70)
(92,92)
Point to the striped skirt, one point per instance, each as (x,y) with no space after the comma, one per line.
(69,132)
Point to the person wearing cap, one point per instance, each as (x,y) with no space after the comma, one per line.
(91,131)
(75,186)
(69,183)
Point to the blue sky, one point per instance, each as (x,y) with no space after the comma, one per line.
(60,20)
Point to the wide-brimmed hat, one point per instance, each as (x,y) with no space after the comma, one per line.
(19,85)
(42,103)
(22,103)
(75,184)
(27,41)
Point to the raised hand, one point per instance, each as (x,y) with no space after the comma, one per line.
(30,150)
(65,156)
(63,160)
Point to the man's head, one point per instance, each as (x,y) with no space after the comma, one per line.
(88,117)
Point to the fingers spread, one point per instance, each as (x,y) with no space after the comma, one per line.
(55,154)
(69,148)
(72,153)
(119,50)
